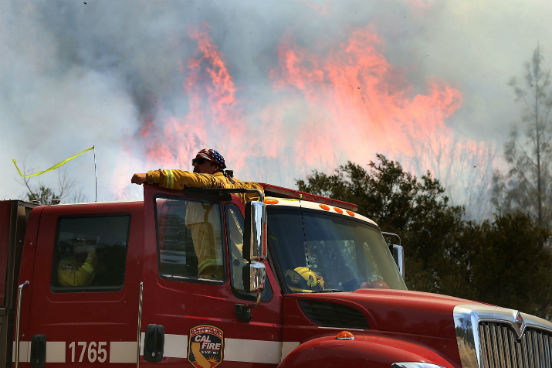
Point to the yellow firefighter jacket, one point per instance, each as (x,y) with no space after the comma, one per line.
(179,179)
(71,272)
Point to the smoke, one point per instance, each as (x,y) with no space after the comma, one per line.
(278,88)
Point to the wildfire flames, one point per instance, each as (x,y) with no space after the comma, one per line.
(326,107)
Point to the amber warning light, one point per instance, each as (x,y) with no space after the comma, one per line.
(345,335)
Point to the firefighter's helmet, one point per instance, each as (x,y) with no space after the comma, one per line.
(303,279)
(211,155)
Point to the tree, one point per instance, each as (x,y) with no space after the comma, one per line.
(43,194)
(399,202)
(508,265)
(527,185)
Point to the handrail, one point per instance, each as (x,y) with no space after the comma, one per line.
(392,235)
(139,335)
(18,320)
(229,190)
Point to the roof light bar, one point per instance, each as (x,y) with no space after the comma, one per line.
(276,191)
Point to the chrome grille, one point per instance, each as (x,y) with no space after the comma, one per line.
(494,337)
(500,347)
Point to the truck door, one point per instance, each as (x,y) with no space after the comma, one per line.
(193,309)
(13,219)
(81,304)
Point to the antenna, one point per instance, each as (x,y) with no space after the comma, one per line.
(95,171)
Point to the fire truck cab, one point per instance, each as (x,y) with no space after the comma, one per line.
(197,278)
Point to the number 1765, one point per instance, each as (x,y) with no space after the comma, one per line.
(93,351)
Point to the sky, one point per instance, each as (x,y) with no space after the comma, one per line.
(280,88)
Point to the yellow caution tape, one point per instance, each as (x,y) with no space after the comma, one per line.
(53,167)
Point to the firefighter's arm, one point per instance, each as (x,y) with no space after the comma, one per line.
(246,197)
(138,178)
(81,276)
(179,179)
(253,196)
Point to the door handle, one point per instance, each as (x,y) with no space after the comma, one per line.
(154,343)
(38,351)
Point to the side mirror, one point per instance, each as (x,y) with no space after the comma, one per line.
(254,235)
(398,255)
(254,246)
(254,276)
(396,250)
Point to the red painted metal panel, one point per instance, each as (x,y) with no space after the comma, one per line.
(5,230)
(415,318)
(362,351)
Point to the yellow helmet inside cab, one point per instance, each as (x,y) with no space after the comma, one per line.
(303,279)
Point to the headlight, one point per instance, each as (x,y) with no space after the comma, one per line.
(415,365)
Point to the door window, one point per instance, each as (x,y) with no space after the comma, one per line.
(90,253)
(234,229)
(189,239)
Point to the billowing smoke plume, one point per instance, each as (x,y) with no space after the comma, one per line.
(278,88)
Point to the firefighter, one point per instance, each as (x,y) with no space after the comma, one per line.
(74,269)
(209,172)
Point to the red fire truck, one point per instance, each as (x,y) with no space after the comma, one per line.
(295,280)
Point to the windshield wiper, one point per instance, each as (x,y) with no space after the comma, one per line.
(329,291)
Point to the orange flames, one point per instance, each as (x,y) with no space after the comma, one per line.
(213,111)
(346,103)
(354,103)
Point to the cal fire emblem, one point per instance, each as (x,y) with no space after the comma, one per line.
(205,346)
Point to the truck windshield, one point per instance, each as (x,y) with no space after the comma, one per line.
(321,252)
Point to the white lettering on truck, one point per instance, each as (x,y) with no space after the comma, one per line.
(93,351)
